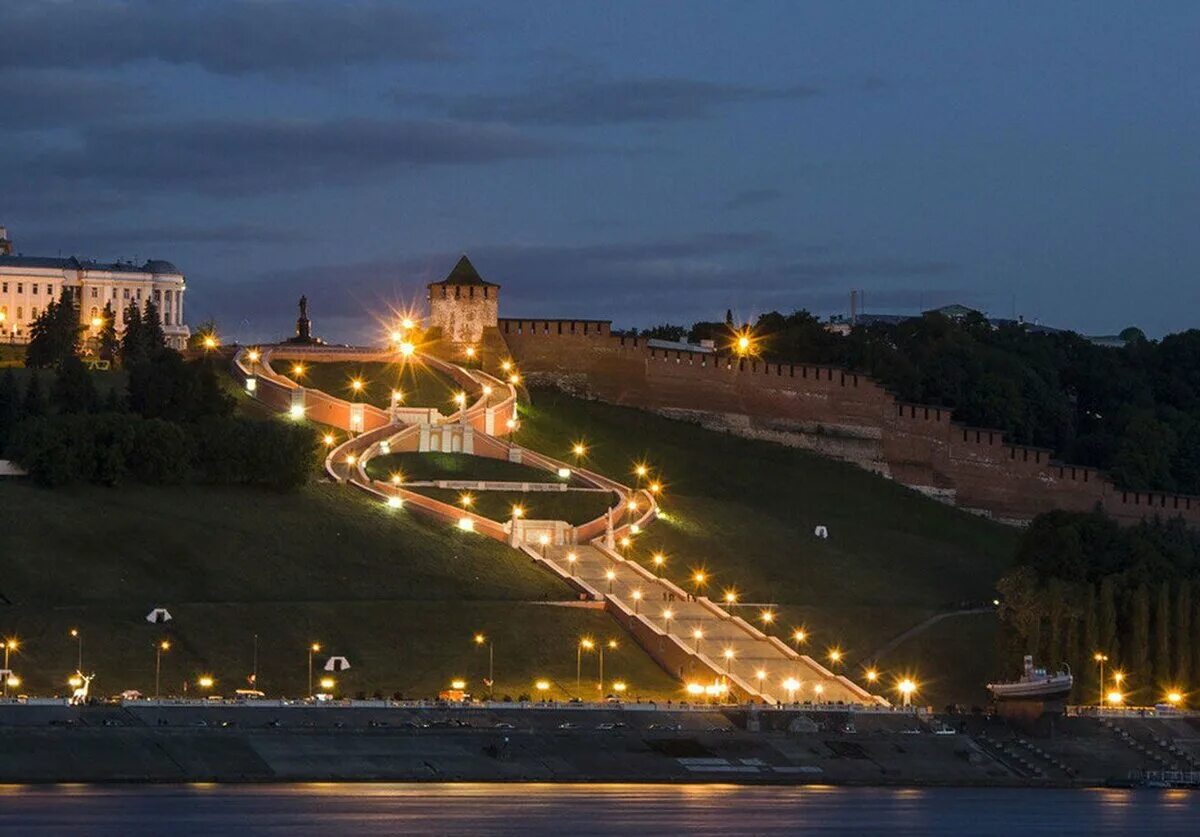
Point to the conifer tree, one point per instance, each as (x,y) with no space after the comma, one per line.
(1183,632)
(1162,635)
(110,344)
(54,335)
(1090,642)
(35,397)
(1137,658)
(10,407)
(154,339)
(1107,625)
(131,341)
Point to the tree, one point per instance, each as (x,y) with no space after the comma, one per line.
(1138,656)
(154,339)
(35,398)
(10,407)
(1090,642)
(1183,631)
(73,390)
(132,344)
(206,329)
(1143,458)
(110,344)
(1107,624)
(54,335)
(1162,635)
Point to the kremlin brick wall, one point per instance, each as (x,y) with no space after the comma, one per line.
(831,411)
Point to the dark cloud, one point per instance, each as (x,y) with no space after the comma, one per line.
(35,100)
(752,197)
(256,156)
(230,38)
(589,102)
(106,242)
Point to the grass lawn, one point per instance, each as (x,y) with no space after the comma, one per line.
(744,511)
(397,595)
(420,385)
(454,466)
(575,507)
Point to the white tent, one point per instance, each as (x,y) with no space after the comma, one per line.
(337,664)
(158,615)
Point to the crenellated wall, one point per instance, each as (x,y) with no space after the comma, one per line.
(832,411)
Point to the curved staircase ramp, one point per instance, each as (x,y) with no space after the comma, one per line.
(753,650)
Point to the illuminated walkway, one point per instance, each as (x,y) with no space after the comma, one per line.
(667,620)
(692,638)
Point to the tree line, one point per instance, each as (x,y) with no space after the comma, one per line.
(1133,411)
(170,424)
(1083,585)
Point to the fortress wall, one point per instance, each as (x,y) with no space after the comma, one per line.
(832,411)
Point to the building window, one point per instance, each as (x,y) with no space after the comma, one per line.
(5,288)
(95,292)
(50,290)
(125,293)
(33,313)
(20,287)
(20,313)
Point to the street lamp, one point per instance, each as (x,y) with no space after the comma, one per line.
(667,615)
(1101,659)
(872,675)
(728,655)
(791,685)
(11,644)
(78,637)
(637,602)
(659,559)
(799,636)
(730,600)
(571,559)
(585,644)
(165,645)
(327,684)
(611,576)
(543,541)
(579,449)
(206,681)
(906,687)
(480,640)
(698,634)
(835,656)
(1175,698)
(297,370)
(312,649)
(699,578)
(612,645)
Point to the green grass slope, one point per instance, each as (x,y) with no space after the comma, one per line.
(420,385)
(398,596)
(744,512)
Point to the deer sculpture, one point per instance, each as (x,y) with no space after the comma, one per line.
(80,695)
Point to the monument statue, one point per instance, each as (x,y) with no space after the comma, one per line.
(304,327)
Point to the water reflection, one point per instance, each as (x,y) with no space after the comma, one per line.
(377,809)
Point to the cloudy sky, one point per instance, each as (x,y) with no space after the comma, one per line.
(640,161)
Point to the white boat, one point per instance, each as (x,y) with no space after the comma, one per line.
(1034,684)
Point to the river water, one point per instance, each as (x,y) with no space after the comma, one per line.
(525,809)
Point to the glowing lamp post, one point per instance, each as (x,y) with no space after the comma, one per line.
(730,600)
(1175,698)
(159,650)
(312,649)
(611,576)
(571,559)
(698,634)
(872,676)
(637,602)
(206,681)
(1100,660)
(11,644)
(78,637)
(659,559)
(579,449)
(907,687)
(327,685)
(667,615)
(543,542)
(728,655)
(480,641)
(585,644)
(791,685)
(835,656)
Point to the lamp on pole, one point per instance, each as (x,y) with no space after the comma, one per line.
(584,644)
(78,637)
(165,645)
(480,640)
(312,649)
(612,644)
(571,559)
(11,644)
(1100,659)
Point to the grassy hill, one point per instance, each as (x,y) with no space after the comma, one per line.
(402,598)
(744,512)
(419,385)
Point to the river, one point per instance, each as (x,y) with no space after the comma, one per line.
(377,809)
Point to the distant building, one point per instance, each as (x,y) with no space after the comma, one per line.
(29,283)
(462,305)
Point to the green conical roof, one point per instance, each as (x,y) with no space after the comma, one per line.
(464,273)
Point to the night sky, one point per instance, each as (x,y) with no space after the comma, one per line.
(639,161)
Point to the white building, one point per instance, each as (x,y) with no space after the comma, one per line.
(28,283)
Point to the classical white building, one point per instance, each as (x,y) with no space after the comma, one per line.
(28,283)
